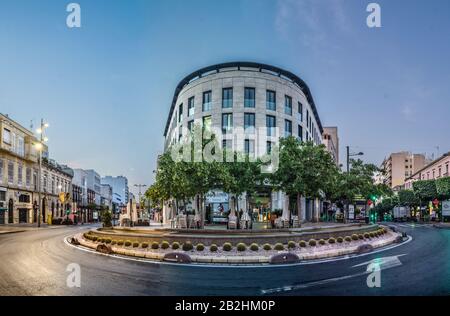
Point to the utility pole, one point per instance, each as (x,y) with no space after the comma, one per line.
(40,147)
(348,159)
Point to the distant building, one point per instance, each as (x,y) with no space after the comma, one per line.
(119,187)
(106,196)
(331,141)
(89,182)
(435,170)
(399,166)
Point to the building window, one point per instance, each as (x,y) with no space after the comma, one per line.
(300,112)
(249,123)
(307,119)
(10,172)
(7,136)
(28,177)
(227,144)
(191,106)
(227,123)
(269,148)
(300,133)
(190,126)
(180,113)
(270,124)
(287,105)
(1,170)
(249,147)
(287,128)
(271,100)
(207,101)
(19,174)
(227,98)
(207,123)
(249,97)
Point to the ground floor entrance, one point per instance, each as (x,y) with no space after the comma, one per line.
(23,215)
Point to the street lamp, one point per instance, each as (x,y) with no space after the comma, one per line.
(40,146)
(140,186)
(351,155)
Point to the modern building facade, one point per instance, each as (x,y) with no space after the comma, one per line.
(399,166)
(439,168)
(331,141)
(120,190)
(250,97)
(106,196)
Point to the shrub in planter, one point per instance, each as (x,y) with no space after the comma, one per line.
(241,247)
(291,245)
(175,245)
(322,242)
(127,243)
(227,246)
(120,243)
(155,245)
(165,245)
(200,247)
(254,247)
(302,244)
(187,246)
(366,235)
(113,242)
(331,240)
(108,240)
(361,236)
(213,248)
(312,242)
(135,244)
(340,240)
(267,247)
(278,247)
(144,245)
(348,238)
(372,234)
(355,237)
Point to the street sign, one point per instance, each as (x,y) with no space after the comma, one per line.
(446,208)
(351,211)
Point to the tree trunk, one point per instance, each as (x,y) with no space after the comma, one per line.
(286,212)
(299,207)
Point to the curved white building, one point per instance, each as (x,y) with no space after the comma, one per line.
(250,96)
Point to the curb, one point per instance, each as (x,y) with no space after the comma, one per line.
(237,260)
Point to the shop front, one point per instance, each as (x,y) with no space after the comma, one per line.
(217,208)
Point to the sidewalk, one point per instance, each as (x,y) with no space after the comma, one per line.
(442,225)
(19,228)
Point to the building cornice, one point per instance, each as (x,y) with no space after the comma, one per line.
(216,69)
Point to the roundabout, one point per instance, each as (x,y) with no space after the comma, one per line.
(241,247)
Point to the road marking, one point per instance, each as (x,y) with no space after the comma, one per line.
(384,264)
(249,266)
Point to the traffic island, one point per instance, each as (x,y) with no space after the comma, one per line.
(242,253)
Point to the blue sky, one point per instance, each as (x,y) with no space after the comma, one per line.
(106,88)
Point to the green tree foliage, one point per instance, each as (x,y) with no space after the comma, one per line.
(443,187)
(408,198)
(425,189)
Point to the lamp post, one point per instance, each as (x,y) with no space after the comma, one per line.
(40,147)
(348,170)
(140,186)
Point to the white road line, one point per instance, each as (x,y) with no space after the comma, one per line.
(383,263)
(249,266)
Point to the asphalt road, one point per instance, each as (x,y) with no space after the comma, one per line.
(35,262)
